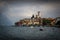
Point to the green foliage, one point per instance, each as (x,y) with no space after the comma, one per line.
(58,22)
(45,21)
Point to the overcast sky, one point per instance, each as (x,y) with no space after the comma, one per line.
(12,12)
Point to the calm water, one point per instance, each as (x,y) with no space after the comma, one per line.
(29,33)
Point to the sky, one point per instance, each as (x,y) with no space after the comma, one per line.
(13,11)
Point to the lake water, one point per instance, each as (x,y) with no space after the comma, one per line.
(29,33)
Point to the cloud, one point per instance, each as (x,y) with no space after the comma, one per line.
(16,12)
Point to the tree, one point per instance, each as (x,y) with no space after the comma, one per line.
(58,22)
(46,22)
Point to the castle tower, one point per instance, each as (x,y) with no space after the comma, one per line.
(40,19)
(38,13)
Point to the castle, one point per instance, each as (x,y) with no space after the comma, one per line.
(36,20)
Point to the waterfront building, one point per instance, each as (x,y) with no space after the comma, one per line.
(36,20)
